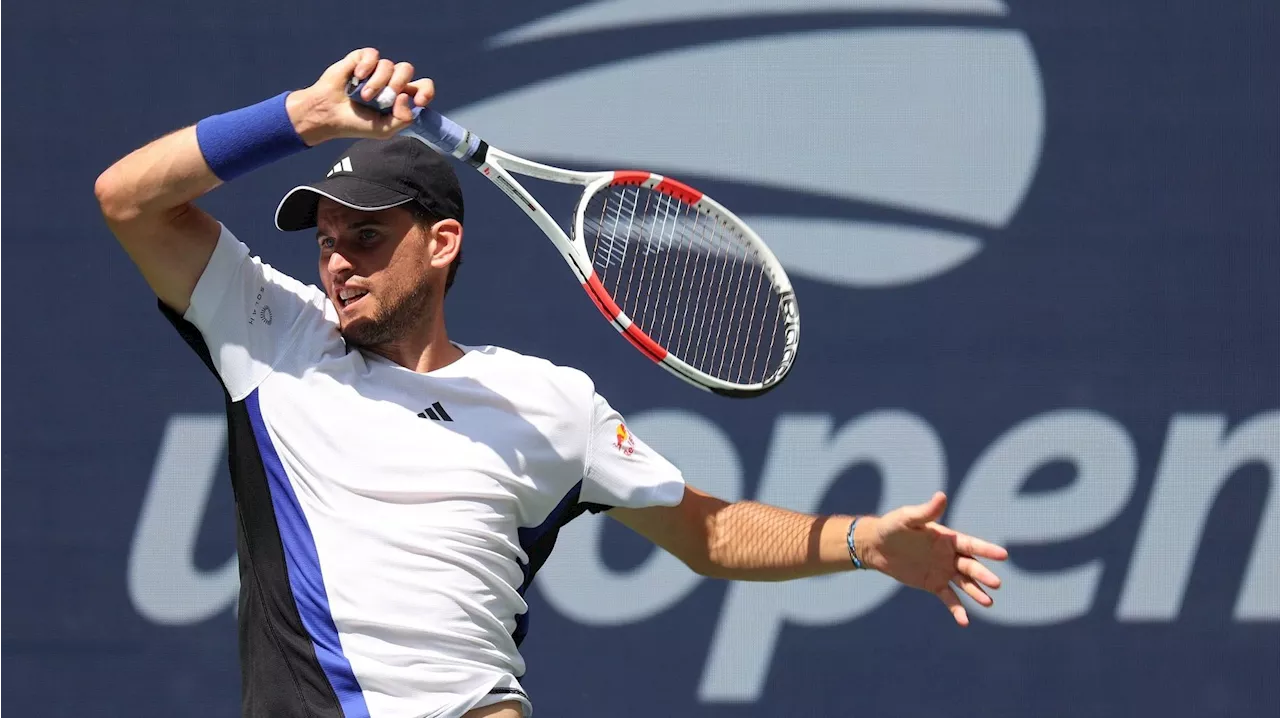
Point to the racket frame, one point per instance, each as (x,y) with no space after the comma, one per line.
(781,284)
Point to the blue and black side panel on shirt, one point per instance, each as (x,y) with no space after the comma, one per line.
(537,542)
(280,674)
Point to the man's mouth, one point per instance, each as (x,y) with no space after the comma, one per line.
(349,296)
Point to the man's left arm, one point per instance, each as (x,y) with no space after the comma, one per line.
(751,541)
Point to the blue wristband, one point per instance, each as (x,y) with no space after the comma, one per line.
(237,142)
(853,553)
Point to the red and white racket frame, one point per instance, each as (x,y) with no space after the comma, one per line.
(498,166)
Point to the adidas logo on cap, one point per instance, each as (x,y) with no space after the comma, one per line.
(342,166)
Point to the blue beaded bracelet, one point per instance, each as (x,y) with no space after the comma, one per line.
(240,141)
(853,553)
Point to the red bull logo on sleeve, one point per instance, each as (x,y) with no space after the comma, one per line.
(624,442)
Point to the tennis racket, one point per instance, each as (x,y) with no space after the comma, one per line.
(679,275)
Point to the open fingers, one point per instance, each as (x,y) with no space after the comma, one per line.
(971,546)
(929,511)
(952,602)
(972,589)
(970,568)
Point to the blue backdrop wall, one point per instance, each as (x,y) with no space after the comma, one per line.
(1036,248)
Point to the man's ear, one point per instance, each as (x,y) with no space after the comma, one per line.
(446,238)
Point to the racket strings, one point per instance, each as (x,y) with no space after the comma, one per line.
(688,279)
(614,247)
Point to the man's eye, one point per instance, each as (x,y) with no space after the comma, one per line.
(327,243)
(368,235)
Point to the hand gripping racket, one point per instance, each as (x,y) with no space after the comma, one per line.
(679,275)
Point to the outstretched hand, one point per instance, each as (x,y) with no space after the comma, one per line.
(909,545)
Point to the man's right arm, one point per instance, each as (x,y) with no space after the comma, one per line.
(147,198)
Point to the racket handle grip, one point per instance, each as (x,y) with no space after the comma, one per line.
(437,131)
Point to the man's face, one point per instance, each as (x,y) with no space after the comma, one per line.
(375,268)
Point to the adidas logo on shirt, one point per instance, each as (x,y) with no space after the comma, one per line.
(435,412)
(343,166)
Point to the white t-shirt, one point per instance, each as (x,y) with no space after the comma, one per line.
(390,521)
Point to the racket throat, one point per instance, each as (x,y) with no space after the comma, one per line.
(641,341)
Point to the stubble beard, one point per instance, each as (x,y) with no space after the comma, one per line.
(394,320)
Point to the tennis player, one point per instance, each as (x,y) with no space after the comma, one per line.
(396,491)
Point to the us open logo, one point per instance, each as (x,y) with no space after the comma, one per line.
(911,146)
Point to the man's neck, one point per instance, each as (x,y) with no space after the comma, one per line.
(421,354)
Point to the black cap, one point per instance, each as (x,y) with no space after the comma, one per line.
(378,174)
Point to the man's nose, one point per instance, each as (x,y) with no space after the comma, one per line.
(338,264)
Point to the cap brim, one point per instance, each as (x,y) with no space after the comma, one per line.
(298,208)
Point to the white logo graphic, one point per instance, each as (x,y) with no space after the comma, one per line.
(343,166)
(942,122)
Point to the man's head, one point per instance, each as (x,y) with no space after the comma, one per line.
(388,221)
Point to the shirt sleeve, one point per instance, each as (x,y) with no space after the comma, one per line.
(249,314)
(622,470)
